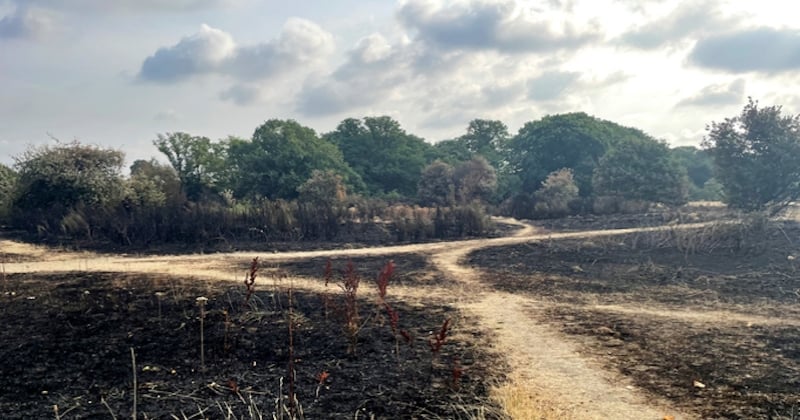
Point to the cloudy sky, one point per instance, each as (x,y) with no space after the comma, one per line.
(118,72)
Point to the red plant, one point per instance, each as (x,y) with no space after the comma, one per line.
(250,281)
(322,376)
(383,278)
(437,341)
(458,372)
(407,336)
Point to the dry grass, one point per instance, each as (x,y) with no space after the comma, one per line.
(521,402)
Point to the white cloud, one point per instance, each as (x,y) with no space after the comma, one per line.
(204,52)
(128,5)
(500,25)
(764,49)
(688,19)
(24,23)
(717,95)
(301,47)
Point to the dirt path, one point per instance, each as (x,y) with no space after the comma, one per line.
(543,363)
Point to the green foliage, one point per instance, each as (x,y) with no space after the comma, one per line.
(385,156)
(436,186)
(641,170)
(757,156)
(281,156)
(8,182)
(698,163)
(576,141)
(556,194)
(162,178)
(199,163)
(54,180)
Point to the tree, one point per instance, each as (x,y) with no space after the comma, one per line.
(66,175)
(8,181)
(436,187)
(281,156)
(386,157)
(58,181)
(757,157)
(576,141)
(474,179)
(488,138)
(198,161)
(323,189)
(556,193)
(641,170)
(161,177)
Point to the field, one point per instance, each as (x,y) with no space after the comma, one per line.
(559,319)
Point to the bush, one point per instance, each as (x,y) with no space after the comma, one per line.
(556,195)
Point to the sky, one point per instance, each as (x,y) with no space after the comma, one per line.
(116,73)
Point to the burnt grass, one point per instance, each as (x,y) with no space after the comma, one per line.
(66,341)
(749,370)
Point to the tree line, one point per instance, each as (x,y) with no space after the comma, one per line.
(367,175)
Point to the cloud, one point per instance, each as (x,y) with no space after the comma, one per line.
(765,50)
(213,51)
(372,70)
(686,20)
(167,115)
(499,25)
(204,52)
(717,95)
(24,23)
(241,94)
(551,85)
(127,5)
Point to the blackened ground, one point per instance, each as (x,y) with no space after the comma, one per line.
(673,329)
(66,341)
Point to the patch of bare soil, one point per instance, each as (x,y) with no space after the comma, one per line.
(714,329)
(66,341)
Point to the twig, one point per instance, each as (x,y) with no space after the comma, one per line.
(110,411)
(135,384)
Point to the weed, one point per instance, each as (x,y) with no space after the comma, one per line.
(201,302)
(250,281)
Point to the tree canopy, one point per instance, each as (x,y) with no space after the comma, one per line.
(576,141)
(757,157)
(281,156)
(641,170)
(386,157)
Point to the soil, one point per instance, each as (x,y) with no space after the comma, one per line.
(712,325)
(67,341)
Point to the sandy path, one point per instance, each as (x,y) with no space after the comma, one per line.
(543,362)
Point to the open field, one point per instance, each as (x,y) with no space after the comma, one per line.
(558,321)
(713,329)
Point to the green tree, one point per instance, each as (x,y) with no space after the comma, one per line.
(757,157)
(557,192)
(163,178)
(8,181)
(386,157)
(323,189)
(199,162)
(281,156)
(54,181)
(576,141)
(643,171)
(488,138)
(66,175)
(436,186)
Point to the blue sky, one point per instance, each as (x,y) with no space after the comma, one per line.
(118,72)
